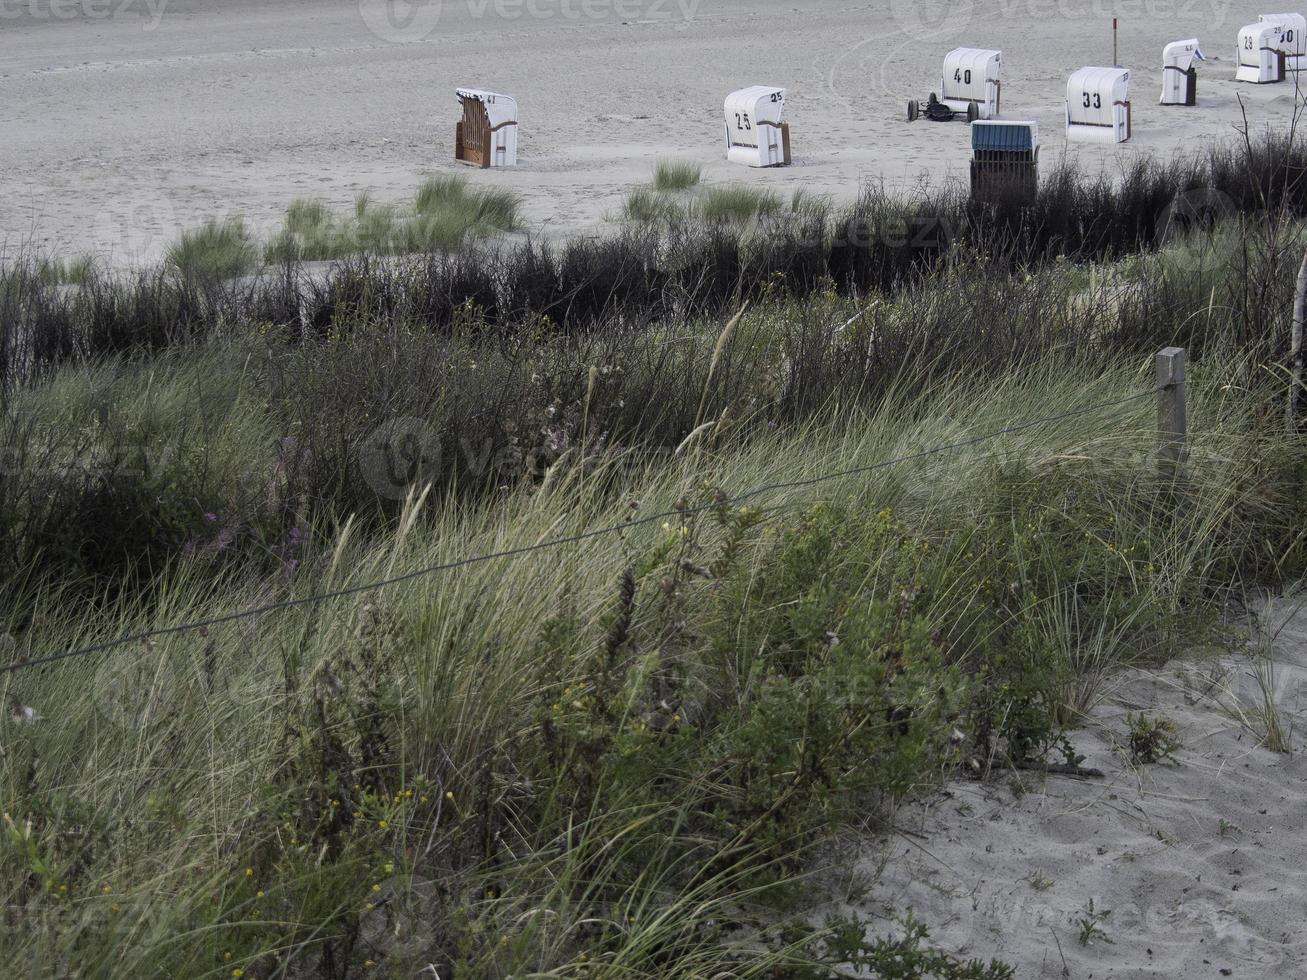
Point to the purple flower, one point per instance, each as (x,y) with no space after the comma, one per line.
(210,517)
(295,535)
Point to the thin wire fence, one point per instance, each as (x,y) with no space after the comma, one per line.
(268,608)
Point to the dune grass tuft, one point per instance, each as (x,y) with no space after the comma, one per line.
(647,206)
(676,175)
(738,203)
(218,249)
(446,212)
(53,270)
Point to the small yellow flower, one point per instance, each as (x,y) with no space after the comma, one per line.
(249,872)
(449,795)
(376,887)
(226,957)
(390,867)
(259,893)
(383,824)
(105,890)
(63,889)
(236,971)
(369,964)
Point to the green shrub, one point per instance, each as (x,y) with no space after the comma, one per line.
(446,213)
(475,209)
(649,207)
(738,203)
(676,175)
(216,250)
(1152,739)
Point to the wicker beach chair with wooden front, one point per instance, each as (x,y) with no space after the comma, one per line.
(486,135)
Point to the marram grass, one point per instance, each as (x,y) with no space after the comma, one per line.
(446,212)
(584,761)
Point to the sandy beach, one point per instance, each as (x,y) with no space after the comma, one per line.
(1193,865)
(126,120)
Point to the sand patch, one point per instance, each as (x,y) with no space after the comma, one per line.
(1197,869)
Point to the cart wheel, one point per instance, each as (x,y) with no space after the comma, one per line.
(913,110)
(973,112)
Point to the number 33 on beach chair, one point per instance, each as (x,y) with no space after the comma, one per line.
(1098,105)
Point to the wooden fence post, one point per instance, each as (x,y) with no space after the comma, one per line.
(1171,450)
(1296,352)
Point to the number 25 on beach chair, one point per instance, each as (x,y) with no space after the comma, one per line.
(755,134)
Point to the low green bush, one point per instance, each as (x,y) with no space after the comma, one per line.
(737,203)
(446,213)
(216,250)
(676,175)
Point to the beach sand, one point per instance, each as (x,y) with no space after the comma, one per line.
(126,120)
(1200,864)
